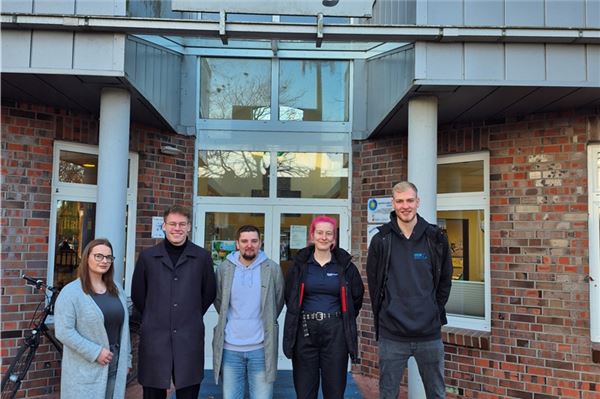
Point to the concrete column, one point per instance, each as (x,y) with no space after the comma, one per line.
(113,154)
(422,171)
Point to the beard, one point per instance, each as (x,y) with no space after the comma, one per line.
(249,257)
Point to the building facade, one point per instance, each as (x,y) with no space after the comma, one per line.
(491,108)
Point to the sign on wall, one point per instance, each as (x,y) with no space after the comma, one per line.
(340,8)
(378,213)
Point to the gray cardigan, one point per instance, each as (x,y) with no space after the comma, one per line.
(272,284)
(79,324)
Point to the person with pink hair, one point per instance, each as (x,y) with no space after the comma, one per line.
(323,294)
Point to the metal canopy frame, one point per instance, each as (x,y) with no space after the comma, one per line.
(319,33)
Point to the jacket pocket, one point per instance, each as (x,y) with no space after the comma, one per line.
(413,316)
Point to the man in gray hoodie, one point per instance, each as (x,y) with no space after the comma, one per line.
(249,300)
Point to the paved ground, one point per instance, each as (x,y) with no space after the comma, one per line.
(358,387)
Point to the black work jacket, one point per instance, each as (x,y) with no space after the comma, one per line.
(351,297)
(172,300)
(378,263)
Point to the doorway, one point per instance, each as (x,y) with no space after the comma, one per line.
(284,231)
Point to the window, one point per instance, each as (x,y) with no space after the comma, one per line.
(313,90)
(594,239)
(235,88)
(73,211)
(312,175)
(316,175)
(233,173)
(463,212)
(273,93)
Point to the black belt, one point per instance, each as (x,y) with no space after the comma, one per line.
(321,315)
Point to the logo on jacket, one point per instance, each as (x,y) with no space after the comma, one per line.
(420,256)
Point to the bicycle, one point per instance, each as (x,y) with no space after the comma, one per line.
(11,381)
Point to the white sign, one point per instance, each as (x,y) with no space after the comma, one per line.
(157,230)
(341,8)
(297,236)
(371,231)
(378,210)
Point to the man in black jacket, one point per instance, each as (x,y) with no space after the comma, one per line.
(409,273)
(173,286)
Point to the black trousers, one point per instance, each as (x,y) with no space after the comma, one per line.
(320,357)
(190,392)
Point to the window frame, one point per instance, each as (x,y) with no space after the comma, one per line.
(472,201)
(594,239)
(274,124)
(63,191)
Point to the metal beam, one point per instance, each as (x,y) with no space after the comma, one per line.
(305,32)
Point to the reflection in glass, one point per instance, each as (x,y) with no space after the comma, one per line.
(466,237)
(313,90)
(312,175)
(235,88)
(77,167)
(233,173)
(293,226)
(461,177)
(221,229)
(75,224)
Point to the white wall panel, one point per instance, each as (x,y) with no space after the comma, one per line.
(101,7)
(565,13)
(16,49)
(525,62)
(96,51)
(524,12)
(484,12)
(444,12)
(54,6)
(566,62)
(593,64)
(17,6)
(51,49)
(484,61)
(444,61)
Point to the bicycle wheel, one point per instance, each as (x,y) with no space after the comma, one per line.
(11,382)
(134,332)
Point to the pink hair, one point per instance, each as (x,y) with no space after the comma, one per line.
(323,219)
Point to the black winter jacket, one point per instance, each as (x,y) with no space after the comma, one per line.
(351,298)
(378,263)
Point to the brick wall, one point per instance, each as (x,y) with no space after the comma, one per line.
(28,133)
(539,346)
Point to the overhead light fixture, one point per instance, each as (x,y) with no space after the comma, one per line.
(170,150)
(88,165)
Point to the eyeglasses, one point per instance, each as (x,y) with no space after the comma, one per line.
(100,258)
(181,225)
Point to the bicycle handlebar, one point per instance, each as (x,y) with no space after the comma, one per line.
(38,283)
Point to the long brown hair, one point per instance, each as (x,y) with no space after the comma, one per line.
(84,269)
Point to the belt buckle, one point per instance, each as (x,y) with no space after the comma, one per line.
(319,316)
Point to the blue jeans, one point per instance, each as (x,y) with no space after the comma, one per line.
(241,367)
(393,358)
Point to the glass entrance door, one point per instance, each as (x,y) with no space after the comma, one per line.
(284,232)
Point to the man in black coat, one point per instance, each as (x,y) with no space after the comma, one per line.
(173,286)
(409,272)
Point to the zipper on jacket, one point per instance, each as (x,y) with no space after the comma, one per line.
(301,294)
(344,305)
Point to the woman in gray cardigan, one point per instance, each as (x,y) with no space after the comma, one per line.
(92,322)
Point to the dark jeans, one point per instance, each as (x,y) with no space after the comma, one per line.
(393,358)
(322,356)
(190,392)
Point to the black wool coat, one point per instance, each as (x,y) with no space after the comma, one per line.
(172,300)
